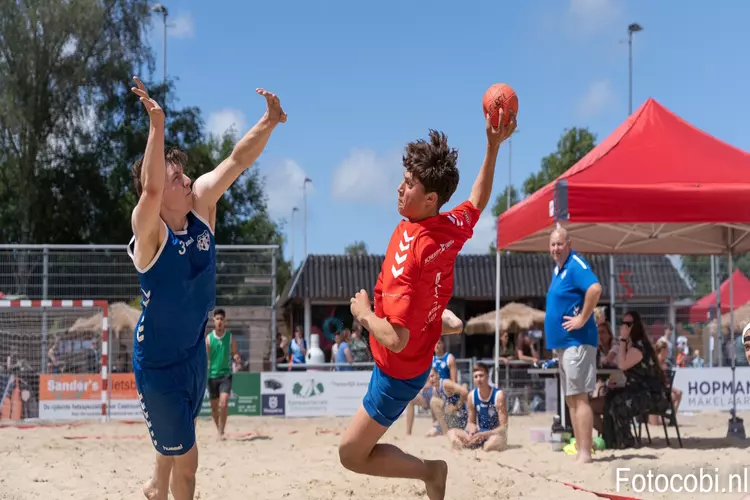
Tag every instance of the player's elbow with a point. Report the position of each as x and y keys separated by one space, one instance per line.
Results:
x=399 y=339
x=595 y=291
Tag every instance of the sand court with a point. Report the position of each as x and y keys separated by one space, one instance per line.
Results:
x=289 y=459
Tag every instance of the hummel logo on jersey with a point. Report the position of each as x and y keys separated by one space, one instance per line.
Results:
x=403 y=246
x=140 y=333
x=146 y=297
x=456 y=221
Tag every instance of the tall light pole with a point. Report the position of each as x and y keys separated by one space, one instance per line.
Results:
x=160 y=9
x=304 y=199
x=291 y=251
x=633 y=28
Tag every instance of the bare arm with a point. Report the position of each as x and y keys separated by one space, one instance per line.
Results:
x=208 y=349
x=146 y=219
x=590 y=300
x=453 y=367
x=502 y=414
x=211 y=186
x=451 y=323
x=627 y=356
x=392 y=337
x=450 y=387
x=235 y=352
x=482 y=189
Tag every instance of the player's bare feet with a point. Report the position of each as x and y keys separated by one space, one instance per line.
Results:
x=438 y=478
x=152 y=493
x=584 y=458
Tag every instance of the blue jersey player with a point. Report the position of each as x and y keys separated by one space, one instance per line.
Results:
x=173 y=250
x=487 y=426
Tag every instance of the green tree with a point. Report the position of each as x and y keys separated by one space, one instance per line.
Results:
x=698 y=269
x=70 y=129
x=574 y=144
x=356 y=248
x=60 y=58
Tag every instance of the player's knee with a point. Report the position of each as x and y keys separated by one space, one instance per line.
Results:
x=436 y=405
x=185 y=466
x=350 y=456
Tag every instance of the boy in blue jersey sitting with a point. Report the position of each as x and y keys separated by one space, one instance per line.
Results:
x=173 y=249
x=488 y=416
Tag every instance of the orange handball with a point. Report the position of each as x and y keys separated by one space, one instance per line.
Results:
x=497 y=97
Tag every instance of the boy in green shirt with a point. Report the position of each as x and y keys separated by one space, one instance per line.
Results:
x=219 y=346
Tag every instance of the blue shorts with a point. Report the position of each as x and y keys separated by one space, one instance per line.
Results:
x=171 y=399
x=388 y=397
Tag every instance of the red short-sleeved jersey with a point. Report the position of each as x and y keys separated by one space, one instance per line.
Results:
x=416 y=283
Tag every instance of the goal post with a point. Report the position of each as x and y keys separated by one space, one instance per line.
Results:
x=54 y=360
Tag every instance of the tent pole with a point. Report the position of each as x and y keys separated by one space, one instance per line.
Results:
x=497 y=318
x=736 y=427
x=612 y=289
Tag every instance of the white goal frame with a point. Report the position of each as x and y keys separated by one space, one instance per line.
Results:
x=62 y=304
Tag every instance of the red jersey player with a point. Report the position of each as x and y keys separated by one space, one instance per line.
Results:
x=413 y=289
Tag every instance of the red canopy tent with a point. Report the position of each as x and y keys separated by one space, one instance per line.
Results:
x=655 y=185
x=741 y=295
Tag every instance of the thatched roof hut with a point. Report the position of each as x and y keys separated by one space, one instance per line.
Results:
x=513 y=317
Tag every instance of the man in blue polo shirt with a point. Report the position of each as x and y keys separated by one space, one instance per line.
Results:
x=570 y=330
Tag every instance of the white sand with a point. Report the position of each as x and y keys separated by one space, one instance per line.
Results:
x=298 y=460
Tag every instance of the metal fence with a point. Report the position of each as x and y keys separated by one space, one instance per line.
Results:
x=245 y=286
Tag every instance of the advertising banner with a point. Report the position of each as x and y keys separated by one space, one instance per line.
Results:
x=244 y=398
x=316 y=394
x=78 y=396
x=711 y=389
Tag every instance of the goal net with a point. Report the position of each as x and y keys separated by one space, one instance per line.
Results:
x=54 y=361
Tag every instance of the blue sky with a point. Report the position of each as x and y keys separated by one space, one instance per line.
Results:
x=361 y=79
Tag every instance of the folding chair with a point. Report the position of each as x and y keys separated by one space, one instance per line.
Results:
x=668 y=414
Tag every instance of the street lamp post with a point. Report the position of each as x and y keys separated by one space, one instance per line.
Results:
x=632 y=28
x=291 y=251
x=161 y=9
x=304 y=199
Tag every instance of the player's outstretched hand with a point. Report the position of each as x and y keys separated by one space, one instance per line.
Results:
x=497 y=135
x=155 y=113
x=273 y=111
x=360 y=304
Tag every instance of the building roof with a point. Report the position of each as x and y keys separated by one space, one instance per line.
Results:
x=523 y=275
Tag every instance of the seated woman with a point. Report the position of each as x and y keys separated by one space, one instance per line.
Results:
x=644 y=390
x=662 y=354
x=606 y=356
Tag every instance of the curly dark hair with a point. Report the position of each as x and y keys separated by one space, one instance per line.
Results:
x=433 y=163
x=172 y=155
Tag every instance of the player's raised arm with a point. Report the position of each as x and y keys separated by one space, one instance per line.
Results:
x=209 y=187
x=146 y=220
x=480 y=193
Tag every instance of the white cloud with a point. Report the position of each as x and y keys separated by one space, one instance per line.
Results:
x=182 y=26
x=484 y=234
x=225 y=119
x=599 y=98
x=365 y=176
x=284 y=181
x=592 y=16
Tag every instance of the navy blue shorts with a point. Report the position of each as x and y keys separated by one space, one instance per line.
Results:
x=388 y=397
x=171 y=399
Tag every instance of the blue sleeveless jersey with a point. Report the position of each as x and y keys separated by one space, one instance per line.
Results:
x=487 y=418
x=440 y=364
x=451 y=400
x=178 y=292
